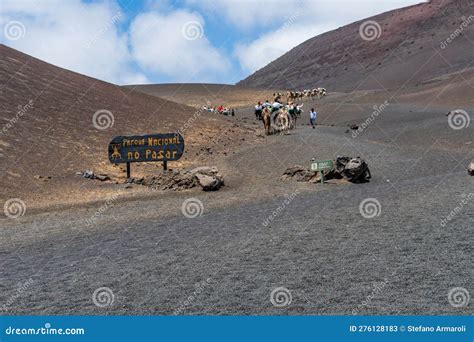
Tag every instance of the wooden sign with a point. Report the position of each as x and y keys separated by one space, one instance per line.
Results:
x=146 y=148
x=322 y=165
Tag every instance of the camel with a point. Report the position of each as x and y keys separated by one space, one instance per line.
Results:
x=282 y=120
x=291 y=95
x=277 y=97
x=306 y=93
x=319 y=92
x=322 y=92
x=293 y=112
x=266 y=118
x=299 y=109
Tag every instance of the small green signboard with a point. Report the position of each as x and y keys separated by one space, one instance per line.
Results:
x=322 y=165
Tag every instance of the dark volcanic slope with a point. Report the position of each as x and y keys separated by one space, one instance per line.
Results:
x=199 y=94
x=407 y=52
x=53 y=134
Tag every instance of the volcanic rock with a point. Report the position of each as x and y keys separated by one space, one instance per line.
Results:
x=173 y=180
x=354 y=170
x=208 y=178
x=208 y=183
x=102 y=177
x=89 y=174
x=300 y=174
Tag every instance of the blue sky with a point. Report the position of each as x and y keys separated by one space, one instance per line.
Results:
x=132 y=42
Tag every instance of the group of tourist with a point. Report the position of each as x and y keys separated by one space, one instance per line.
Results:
x=294 y=109
x=220 y=110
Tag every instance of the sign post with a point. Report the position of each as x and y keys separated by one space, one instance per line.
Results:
x=322 y=165
x=146 y=148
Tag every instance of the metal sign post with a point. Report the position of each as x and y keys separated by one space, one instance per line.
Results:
x=128 y=170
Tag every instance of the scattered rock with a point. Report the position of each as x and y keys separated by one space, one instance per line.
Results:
x=454 y=112
x=205 y=170
x=354 y=127
x=354 y=170
x=208 y=183
x=174 y=180
x=207 y=177
x=470 y=168
x=300 y=174
x=102 y=177
x=89 y=174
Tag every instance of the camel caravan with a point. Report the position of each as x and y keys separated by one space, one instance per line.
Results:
x=281 y=118
x=307 y=93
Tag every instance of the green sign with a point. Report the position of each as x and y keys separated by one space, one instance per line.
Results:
x=322 y=165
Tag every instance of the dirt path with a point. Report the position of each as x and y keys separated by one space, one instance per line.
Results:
x=255 y=236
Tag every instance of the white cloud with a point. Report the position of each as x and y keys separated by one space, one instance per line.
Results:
x=247 y=14
x=77 y=36
x=298 y=20
x=272 y=45
x=175 y=45
x=86 y=37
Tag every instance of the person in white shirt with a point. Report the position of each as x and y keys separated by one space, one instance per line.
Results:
x=276 y=106
x=258 y=111
x=312 y=117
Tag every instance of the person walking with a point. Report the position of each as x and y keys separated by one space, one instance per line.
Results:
x=258 y=111
x=312 y=117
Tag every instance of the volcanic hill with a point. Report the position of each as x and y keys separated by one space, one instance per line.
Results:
x=416 y=45
x=48 y=133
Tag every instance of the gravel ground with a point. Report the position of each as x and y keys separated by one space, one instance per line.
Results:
x=259 y=234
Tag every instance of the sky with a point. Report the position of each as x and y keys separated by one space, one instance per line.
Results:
x=166 y=41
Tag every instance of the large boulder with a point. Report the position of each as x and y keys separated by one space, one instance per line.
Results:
x=351 y=169
x=354 y=170
x=208 y=183
x=300 y=174
x=470 y=168
x=205 y=170
x=171 y=180
x=208 y=177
